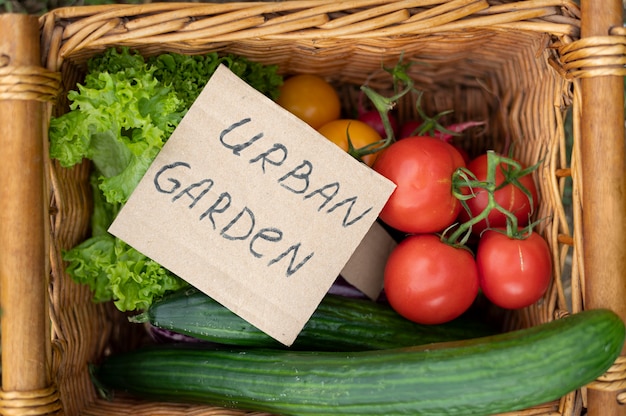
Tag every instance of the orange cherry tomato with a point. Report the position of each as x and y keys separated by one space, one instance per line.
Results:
x=310 y=98
x=360 y=133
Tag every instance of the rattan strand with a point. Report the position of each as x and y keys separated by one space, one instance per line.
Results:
x=28 y=83
x=30 y=403
x=595 y=56
x=485 y=60
x=614 y=380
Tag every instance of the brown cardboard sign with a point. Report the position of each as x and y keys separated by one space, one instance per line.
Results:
x=365 y=269
x=252 y=206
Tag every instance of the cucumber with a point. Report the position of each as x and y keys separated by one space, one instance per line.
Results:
x=483 y=376
x=338 y=324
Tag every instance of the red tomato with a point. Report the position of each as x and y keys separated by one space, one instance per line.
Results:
x=510 y=197
x=464 y=154
x=311 y=99
x=422 y=169
x=428 y=281
x=514 y=273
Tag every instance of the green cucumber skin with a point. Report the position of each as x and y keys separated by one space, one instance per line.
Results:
x=338 y=324
x=482 y=376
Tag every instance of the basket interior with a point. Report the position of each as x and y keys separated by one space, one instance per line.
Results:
x=503 y=77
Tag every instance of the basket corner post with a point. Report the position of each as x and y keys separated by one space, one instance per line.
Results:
x=604 y=195
x=26 y=378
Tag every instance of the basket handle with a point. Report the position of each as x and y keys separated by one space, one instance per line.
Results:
x=24 y=87
x=604 y=185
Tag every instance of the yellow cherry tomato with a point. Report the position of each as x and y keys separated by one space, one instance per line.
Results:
x=360 y=133
x=310 y=98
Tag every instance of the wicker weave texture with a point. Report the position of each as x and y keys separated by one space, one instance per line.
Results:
x=501 y=61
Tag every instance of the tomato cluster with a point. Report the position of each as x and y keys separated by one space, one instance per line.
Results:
x=442 y=200
x=432 y=279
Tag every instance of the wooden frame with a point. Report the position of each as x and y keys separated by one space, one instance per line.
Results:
x=32 y=77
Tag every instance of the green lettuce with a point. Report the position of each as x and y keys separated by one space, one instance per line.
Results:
x=114 y=270
x=189 y=74
x=120 y=117
x=120 y=121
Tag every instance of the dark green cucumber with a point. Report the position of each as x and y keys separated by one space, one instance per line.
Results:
x=338 y=324
x=483 y=376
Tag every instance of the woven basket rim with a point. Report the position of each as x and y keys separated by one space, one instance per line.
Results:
x=190 y=26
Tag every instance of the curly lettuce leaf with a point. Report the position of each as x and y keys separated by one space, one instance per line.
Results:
x=120 y=121
x=116 y=60
x=88 y=262
x=103 y=213
x=188 y=74
x=114 y=270
x=263 y=78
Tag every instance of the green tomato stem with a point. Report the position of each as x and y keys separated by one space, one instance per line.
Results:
x=383 y=105
x=463 y=178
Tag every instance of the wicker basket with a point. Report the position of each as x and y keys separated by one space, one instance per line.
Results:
x=521 y=65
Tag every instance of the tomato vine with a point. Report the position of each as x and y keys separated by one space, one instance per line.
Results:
x=402 y=85
x=464 y=178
